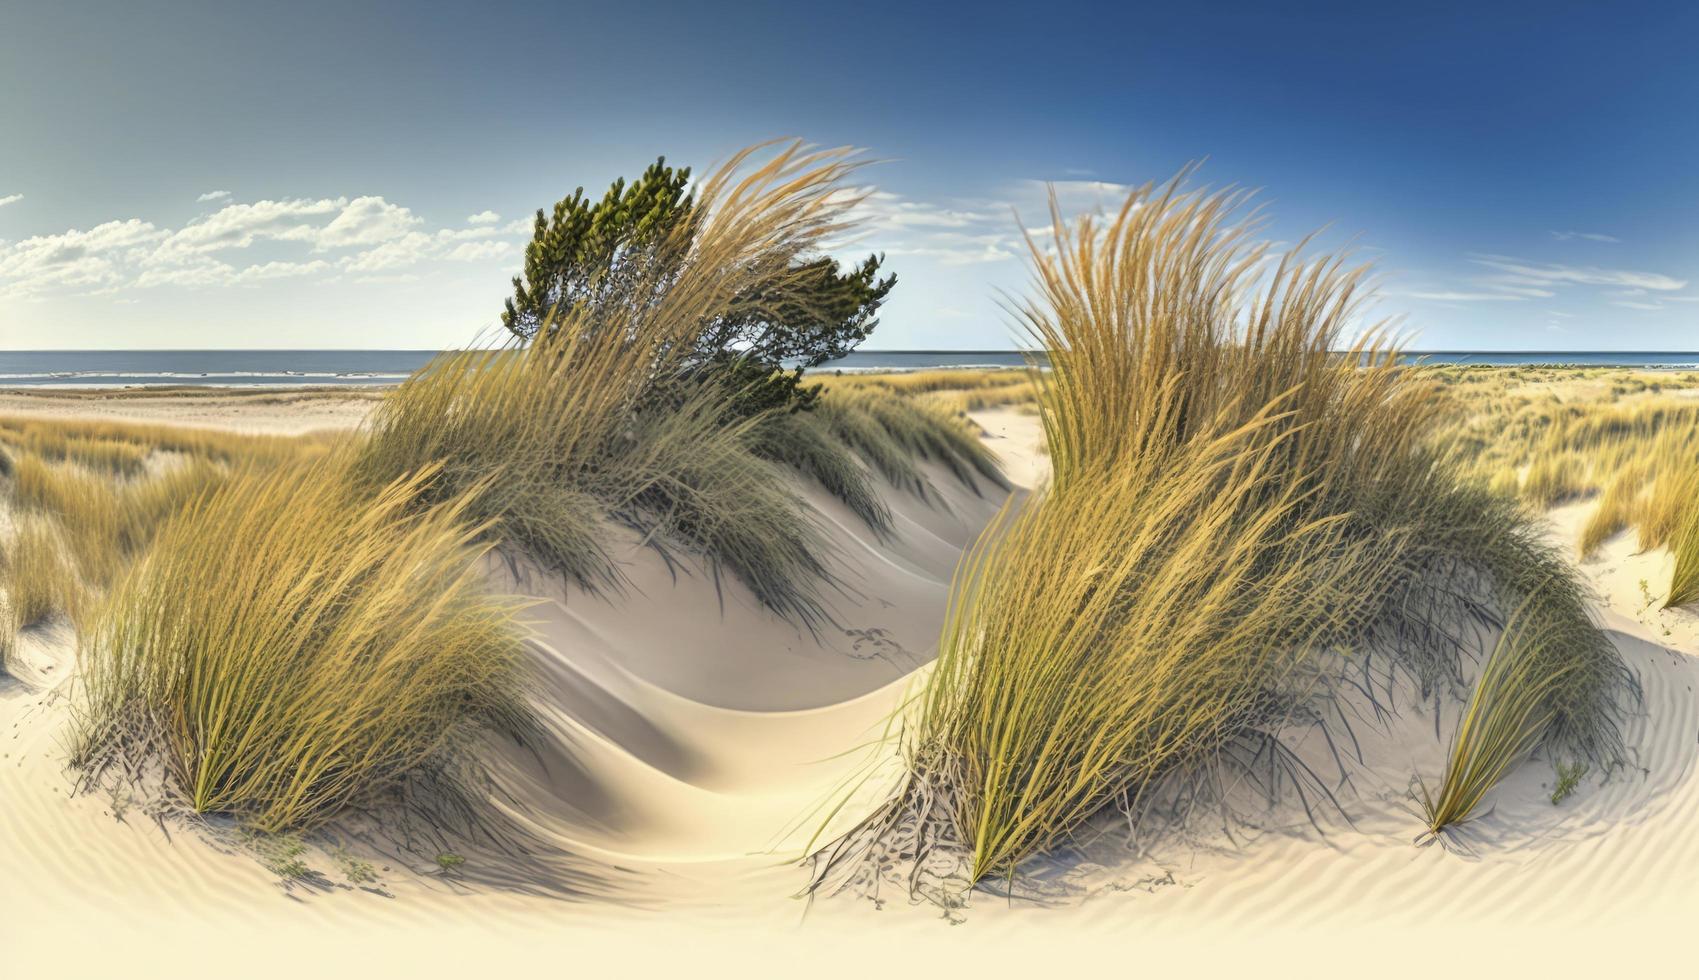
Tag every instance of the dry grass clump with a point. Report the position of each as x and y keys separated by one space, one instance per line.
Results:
x=805 y=442
x=1231 y=507
x=1684 y=580
x=892 y=434
x=1110 y=661
x=954 y=391
x=123 y=447
x=1662 y=510
x=108 y=455
x=1619 y=506
x=86 y=497
x=1509 y=712
x=38 y=582
x=1554 y=479
x=105 y=523
x=580 y=425
x=1578 y=433
x=291 y=644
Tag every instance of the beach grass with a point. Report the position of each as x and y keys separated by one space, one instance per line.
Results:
x=291 y=644
x=288 y=627
x=37 y=577
x=1232 y=506
x=1508 y=713
x=575 y=427
x=1684 y=580
x=85 y=497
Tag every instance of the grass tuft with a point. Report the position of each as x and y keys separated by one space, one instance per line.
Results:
x=1232 y=506
x=574 y=426
x=1512 y=707
x=290 y=645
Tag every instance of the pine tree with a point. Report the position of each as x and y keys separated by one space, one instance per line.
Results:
x=586 y=254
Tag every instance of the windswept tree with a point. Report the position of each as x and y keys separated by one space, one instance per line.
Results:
x=587 y=254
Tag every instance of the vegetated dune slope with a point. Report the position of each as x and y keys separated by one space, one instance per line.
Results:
x=691 y=741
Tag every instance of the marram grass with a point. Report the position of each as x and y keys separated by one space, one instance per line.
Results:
x=1508 y=713
x=579 y=427
x=38 y=581
x=1684 y=580
x=1231 y=507
x=291 y=644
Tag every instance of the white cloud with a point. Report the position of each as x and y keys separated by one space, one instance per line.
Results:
x=74 y=259
x=367 y=221
x=387 y=240
x=953 y=232
x=282 y=270
x=212 y=196
x=1589 y=236
x=240 y=225
x=478 y=251
x=464 y=234
x=1514 y=280
x=10 y=199
x=407 y=250
x=192 y=271
x=1557 y=274
x=1460 y=296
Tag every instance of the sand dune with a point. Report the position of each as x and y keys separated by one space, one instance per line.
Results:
x=691 y=740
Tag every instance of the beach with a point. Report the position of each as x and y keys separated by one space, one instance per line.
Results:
x=707 y=737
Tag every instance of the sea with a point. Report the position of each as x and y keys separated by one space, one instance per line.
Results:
x=303 y=368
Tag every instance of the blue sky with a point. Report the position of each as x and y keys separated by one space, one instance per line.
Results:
x=361 y=175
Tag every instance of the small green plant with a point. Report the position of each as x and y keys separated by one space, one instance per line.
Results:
x=1569 y=776
x=1646 y=594
x=357 y=872
x=281 y=854
x=449 y=861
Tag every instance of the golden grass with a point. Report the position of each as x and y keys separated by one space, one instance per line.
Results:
x=1684 y=580
x=805 y=442
x=310 y=632
x=1231 y=506
x=1508 y=713
x=38 y=582
x=105 y=445
x=105 y=523
x=292 y=644
x=1619 y=506
x=1631 y=438
x=892 y=434
x=571 y=429
x=87 y=496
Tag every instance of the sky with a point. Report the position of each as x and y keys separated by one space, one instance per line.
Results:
x=362 y=175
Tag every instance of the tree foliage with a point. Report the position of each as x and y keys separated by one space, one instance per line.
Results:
x=586 y=254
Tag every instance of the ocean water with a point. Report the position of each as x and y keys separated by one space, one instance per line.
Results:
x=123 y=368
x=279 y=368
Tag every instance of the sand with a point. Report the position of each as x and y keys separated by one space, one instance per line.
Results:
x=257 y=411
x=694 y=743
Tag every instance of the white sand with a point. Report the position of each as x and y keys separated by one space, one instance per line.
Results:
x=259 y=411
x=691 y=746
